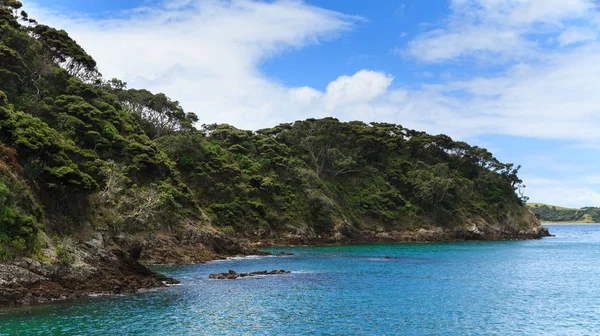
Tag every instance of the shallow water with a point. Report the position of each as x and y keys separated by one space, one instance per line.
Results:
x=549 y=286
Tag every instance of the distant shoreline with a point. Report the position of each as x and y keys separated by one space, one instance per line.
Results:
x=568 y=223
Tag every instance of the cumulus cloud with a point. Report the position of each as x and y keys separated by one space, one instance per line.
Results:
x=362 y=87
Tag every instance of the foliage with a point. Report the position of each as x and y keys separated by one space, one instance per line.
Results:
x=66 y=52
x=18 y=227
x=323 y=171
x=157 y=114
x=63 y=255
x=89 y=150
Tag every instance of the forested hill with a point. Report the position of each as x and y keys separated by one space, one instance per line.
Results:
x=551 y=213
x=80 y=155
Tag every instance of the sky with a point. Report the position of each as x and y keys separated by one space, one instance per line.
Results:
x=518 y=77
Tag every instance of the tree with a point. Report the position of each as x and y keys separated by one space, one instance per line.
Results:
x=8 y=12
x=67 y=53
x=157 y=113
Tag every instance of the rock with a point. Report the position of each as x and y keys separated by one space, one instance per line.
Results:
x=232 y=275
x=284 y=254
x=95 y=269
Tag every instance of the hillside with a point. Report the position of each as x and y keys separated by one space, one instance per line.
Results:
x=555 y=214
x=96 y=177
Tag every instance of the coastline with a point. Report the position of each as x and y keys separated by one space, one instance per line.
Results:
x=568 y=223
x=106 y=267
x=429 y=235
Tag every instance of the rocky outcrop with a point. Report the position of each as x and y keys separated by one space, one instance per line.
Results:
x=191 y=244
x=232 y=275
x=94 y=268
x=107 y=264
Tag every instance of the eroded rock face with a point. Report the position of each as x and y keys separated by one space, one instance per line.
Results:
x=94 y=268
x=107 y=264
x=232 y=275
x=190 y=245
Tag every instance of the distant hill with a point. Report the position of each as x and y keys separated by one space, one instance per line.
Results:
x=557 y=214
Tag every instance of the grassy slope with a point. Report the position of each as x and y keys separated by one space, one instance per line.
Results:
x=533 y=204
x=585 y=219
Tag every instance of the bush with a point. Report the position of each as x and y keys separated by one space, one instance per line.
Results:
x=18 y=231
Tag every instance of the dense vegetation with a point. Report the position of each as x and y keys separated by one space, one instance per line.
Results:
x=78 y=150
x=550 y=213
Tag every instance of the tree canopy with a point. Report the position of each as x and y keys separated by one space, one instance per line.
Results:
x=76 y=149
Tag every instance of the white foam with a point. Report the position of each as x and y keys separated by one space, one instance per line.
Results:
x=252 y=257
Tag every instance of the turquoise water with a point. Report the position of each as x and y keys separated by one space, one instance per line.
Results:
x=549 y=287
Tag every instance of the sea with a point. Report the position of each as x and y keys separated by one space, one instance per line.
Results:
x=549 y=286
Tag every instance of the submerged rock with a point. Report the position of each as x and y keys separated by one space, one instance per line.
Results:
x=231 y=275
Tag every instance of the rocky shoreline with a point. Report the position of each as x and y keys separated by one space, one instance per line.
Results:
x=105 y=264
x=430 y=235
x=115 y=265
x=26 y=281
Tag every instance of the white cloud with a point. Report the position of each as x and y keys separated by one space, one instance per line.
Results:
x=560 y=193
x=441 y=45
x=556 y=99
x=592 y=179
x=575 y=35
x=206 y=53
x=305 y=95
x=543 y=91
x=362 y=87
x=501 y=28
x=522 y=12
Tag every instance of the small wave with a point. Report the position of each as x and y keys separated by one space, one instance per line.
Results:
x=97 y=295
x=94 y=295
x=171 y=284
x=251 y=257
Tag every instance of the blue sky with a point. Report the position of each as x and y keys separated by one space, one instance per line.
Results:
x=518 y=77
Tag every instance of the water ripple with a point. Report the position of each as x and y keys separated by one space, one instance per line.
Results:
x=549 y=287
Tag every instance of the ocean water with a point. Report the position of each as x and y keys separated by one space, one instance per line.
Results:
x=542 y=287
